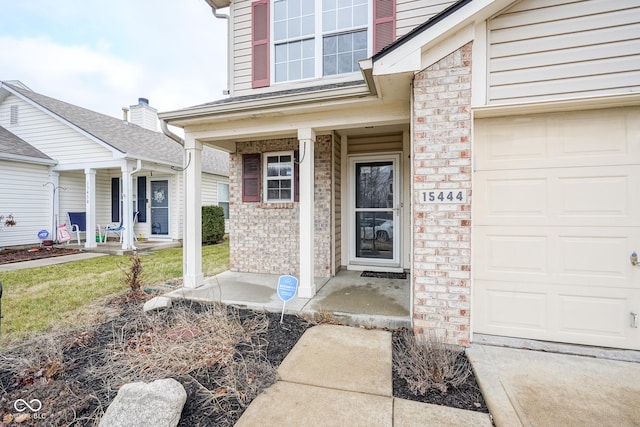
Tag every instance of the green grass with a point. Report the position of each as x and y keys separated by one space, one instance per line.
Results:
x=38 y=299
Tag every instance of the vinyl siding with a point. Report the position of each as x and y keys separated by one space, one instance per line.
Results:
x=49 y=135
x=25 y=197
x=552 y=49
x=337 y=200
x=375 y=144
x=411 y=13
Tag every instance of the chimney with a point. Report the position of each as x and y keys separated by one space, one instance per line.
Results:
x=144 y=115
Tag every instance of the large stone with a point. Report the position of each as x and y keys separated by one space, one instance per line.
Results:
x=157 y=404
x=157 y=303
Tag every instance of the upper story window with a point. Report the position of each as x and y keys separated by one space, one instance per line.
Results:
x=294 y=40
x=313 y=38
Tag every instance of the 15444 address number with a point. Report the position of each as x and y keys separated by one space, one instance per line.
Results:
x=446 y=196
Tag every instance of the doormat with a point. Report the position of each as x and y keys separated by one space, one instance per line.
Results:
x=383 y=275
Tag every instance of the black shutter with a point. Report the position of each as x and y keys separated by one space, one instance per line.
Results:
x=142 y=199
x=251 y=177
x=115 y=199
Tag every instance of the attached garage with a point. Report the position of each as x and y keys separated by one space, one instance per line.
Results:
x=556 y=215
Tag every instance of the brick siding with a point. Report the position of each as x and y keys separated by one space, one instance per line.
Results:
x=264 y=237
x=442 y=232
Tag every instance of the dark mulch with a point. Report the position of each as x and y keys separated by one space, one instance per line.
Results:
x=77 y=395
x=8 y=256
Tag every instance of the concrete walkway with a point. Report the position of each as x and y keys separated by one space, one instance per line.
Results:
x=341 y=376
x=534 y=388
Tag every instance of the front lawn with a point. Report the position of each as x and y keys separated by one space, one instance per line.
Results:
x=40 y=299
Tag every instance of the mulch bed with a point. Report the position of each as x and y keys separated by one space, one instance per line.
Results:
x=8 y=256
x=73 y=395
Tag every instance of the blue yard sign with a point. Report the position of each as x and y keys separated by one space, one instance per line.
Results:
x=287 y=288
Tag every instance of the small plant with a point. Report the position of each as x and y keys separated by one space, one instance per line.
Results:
x=9 y=220
x=429 y=363
x=133 y=276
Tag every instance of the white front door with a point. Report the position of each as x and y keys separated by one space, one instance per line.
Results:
x=374 y=215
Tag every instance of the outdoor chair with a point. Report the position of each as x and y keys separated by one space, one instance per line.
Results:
x=117 y=229
x=78 y=223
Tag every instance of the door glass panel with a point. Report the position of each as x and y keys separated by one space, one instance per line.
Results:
x=160 y=207
x=374 y=222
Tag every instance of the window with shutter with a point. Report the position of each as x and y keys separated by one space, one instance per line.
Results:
x=384 y=24
x=251 y=177
x=260 y=43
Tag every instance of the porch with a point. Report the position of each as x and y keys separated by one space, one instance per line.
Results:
x=347 y=298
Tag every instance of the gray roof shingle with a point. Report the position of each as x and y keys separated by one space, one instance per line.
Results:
x=13 y=144
x=126 y=137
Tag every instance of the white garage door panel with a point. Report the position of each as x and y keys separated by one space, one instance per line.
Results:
x=589 y=256
x=510 y=309
x=610 y=137
x=556 y=215
x=596 y=316
x=560 y=196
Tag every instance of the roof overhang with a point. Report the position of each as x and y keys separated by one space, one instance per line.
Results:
x=27 y=159
x=267 y=106
x=391 y=70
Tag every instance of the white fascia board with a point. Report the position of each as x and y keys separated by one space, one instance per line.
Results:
x=27 y=159
x=370 y=112
x=64 y=121
x=89 y=165
x=239 y=109
x=558 y=105
x=408 y=56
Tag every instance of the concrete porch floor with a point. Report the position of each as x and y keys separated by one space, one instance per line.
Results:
x=348 y=298
x=115 y=247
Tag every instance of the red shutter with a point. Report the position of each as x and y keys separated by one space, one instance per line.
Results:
x=251 y=177
x=296 y=176
x=384 y=24
x=260 y=43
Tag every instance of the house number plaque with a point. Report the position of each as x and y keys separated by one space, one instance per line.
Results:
x=444 y=196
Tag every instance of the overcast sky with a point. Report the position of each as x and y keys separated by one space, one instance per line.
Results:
x=104 y=55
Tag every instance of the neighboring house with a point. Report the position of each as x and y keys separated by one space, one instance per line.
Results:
x=23 y=171
x=510 y=131
x=57 y=158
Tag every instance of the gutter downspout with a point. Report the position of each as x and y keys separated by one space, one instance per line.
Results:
x=167 y=131
x=218 y=15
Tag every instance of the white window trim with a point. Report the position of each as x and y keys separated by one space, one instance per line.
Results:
x=318 y=43
x=218 y=192
x=265 y=158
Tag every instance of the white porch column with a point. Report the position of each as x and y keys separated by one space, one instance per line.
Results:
x=90 y=207
x=192 y=235
x=127 y=208
x=54 y=178
x=307 y=286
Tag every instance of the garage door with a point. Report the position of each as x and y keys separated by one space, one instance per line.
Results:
x=556 y=201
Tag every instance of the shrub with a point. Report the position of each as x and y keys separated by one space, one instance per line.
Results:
x=429 y=363
x=133 y=276
x=212 y=224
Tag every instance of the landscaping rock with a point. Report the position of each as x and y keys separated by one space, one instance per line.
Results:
x=157 y=404
x=157 y=303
